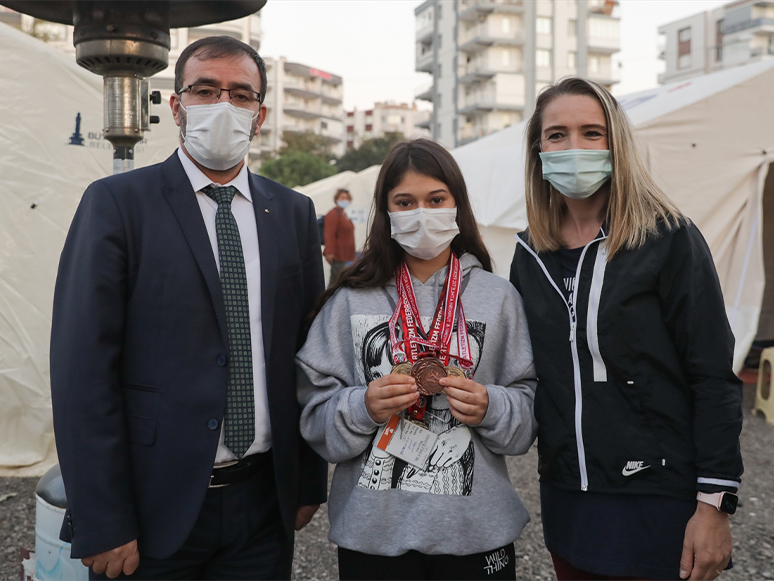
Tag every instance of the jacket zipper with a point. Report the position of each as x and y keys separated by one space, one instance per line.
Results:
x=574 y=350
x=595 y=294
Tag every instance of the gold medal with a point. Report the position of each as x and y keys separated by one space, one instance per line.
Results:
x=402 y=369
x=454 y=371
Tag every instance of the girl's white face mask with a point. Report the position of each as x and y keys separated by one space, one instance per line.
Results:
x=218 y=135
x=424 y=233
x=577 y=173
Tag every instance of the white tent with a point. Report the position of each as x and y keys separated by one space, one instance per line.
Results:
x=45 y=168
x=708 y=141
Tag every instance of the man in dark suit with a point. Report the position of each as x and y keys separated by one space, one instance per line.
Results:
x=179 y=306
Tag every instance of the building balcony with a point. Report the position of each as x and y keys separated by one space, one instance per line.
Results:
x=425 y=33
x=752 y=26
x=424 y=92
x=477 y=73
x=604 y=45
x=762 y=51
x=471 y=10
x=480 y=38
x=301 y=89
x=425 y=62
x=301 y=111
x=426 y=124
x=486 y=101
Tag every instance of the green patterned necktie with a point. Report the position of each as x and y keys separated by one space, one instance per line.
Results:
x=240 y=404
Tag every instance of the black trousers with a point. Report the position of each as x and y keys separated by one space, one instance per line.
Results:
x=495 y=564
x=238 y=535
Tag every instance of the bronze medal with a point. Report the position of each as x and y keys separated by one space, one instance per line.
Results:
x=454 y=371
x=402 y=369
x=428 y=371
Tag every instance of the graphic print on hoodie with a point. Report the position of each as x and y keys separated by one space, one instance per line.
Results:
x=449 y=468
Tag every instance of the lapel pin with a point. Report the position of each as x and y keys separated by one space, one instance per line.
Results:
x=266 y=210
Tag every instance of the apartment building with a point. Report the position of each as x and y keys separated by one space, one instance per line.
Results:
x=734 y=34
x=299 y=97
x=490 y=58
x=386 y=118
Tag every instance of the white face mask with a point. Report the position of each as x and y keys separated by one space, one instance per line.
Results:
x=218 y=135
x=577 y=173
x=343 y=204
x=424 y=233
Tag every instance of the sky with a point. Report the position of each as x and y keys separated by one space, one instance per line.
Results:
x=370 y=43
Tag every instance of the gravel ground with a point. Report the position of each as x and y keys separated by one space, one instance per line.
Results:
x=752 y=526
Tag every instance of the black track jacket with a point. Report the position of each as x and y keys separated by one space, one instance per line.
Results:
x=636 y=391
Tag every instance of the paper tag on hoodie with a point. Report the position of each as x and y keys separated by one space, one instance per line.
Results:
x=406 y=440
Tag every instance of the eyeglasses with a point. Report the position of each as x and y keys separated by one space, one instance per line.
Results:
x=207 y=95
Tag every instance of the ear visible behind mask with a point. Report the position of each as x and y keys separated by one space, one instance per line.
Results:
x=424 y=233
x=577 y=173
x=218 y=135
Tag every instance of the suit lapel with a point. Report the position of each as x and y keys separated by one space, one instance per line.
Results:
x=268 y=234
x=182 y=198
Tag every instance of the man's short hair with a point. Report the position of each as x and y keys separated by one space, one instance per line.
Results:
x=213 y=47
x=339 y=192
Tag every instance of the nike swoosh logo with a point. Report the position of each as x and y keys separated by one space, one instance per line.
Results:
x=626 y=472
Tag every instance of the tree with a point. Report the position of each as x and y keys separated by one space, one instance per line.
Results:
x=297 y=168
x=371 y=152
x=308 y=142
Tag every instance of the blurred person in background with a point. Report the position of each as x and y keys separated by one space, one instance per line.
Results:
x=339 y=236
x=638 y=408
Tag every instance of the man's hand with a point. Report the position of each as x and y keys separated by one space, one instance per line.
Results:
x=304 y=514
x=389 y=395
x=468 y=400
x=329 y=257
x=123 y=559
x=707 y=544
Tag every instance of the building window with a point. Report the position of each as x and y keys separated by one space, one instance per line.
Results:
x=350 y=144
x=593 y=65
x=543 y=25
x=684 y=48
x=719 y=40
x=323 y=125
x=369 y=112
x=543 y=57
x=350 y=113
x=368 y=127
x=506 y=25
x=571 y=59
x=506 y=57
x=440 y=41
x=350 y=128
x=572 y=28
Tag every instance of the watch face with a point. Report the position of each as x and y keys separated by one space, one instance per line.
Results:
x=728 y=503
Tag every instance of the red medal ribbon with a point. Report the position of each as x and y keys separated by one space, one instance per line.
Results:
x=438 y=342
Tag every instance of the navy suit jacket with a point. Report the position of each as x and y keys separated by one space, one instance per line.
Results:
x=138 y=366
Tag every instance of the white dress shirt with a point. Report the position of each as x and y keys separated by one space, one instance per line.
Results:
x=242 y=208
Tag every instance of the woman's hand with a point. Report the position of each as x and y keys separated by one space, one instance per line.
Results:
x=390 y=395
x=707 y=544
x=468 y=400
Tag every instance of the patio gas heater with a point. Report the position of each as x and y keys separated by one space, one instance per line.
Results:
x=125 y=43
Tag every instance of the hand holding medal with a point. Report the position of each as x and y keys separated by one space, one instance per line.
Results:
x=468 y=400
x=390 y=395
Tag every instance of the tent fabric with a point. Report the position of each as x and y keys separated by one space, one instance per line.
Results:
x=708 y=142
x=43 y=178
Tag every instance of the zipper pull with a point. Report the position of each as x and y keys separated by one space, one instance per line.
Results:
x=572 y=331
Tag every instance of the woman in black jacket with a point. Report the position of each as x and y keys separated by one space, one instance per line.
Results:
x=638 y=407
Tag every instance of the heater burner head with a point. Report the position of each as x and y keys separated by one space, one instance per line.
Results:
x=130 y=36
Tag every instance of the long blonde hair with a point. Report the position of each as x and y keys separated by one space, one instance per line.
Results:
x=636 y=204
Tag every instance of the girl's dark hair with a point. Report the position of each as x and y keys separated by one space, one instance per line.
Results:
x=381 y=254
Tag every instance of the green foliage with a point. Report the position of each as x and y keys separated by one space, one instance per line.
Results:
x=371 y=152
x=306 y=142
x=297 y=168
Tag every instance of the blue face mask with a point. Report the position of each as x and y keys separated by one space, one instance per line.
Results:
x=343 y=204
x=577 y=173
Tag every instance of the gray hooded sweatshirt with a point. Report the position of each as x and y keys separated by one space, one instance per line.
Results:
x=462 y=501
